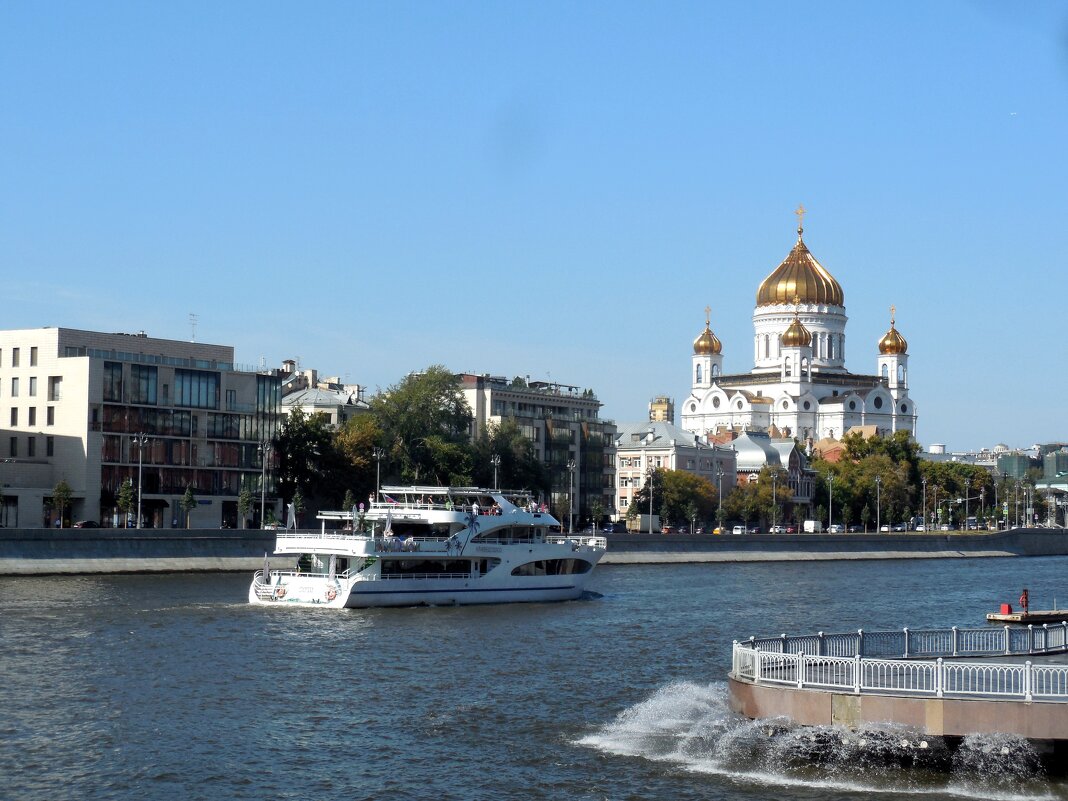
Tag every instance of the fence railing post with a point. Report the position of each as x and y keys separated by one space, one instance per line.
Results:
x=820 y=645
x=939 y=678
x=856 y=673
x=734 y=657
x=784 y=643
x=1027 y=680
x=1045 y=637
x=1030 y=638
x=1064 y=634
x=860 y=642
x=1008 y=650
x=756 y=667
x=801 y=670
x=906 y=642
x=956 y=640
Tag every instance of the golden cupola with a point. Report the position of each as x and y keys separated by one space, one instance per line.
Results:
x=707 y=343
x=796 y=336
x=801 y=276
x=892 y=342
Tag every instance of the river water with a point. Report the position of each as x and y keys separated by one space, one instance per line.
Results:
x=173 y=687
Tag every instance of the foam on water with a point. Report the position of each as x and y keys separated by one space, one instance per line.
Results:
x=692 y=726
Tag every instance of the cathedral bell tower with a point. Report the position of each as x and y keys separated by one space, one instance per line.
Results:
x=707 y=356
x=796 y=364
x=894 y=360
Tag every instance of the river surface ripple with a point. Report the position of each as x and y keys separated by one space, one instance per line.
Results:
x=173 y=687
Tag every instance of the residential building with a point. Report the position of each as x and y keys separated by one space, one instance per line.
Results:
x=93 y=409
x=662 y=410
x=641 y=447
x=563 y=421
x=304 y=390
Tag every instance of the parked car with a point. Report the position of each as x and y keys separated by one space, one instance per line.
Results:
x=87 y=524
x=777 y=530
x=791 y=529
x=667 y=530
x=835 y=528
x=885 y=528
x=856 y=529
x=609 y=528
x=738 y=530
x=754 y=529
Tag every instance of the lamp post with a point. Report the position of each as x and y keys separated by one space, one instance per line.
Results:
x=878 y=503
x=830 y=500
x=649 y=473
x=774 y=497
x=495 y=460
x=719 y=511
x=934 y=513
x=982 y=503
x=967 y=500
x=141 y=441
x=378 y=471
x=571 y=498
x=265 y=451
x=1016 y=503
x=924 y=482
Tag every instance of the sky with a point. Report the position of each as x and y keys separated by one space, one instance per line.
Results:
x=548 y=189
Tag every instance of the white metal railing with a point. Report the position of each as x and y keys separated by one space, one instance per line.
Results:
x=580 y=539
x=886 y=662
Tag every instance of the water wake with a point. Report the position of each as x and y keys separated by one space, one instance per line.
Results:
x=692 y=726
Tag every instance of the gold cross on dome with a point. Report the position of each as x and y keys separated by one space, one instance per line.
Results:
x=893 y=309
x=800 y=217
x=708 y=319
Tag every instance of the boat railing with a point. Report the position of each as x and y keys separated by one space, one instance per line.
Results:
x=419 y=576
x=580 y=539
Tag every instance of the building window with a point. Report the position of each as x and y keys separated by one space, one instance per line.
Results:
x=113 y=381
x=196 y=388
x=31 y=446
x=14 y=357
x=14 y=417
x=33 y=357
x=13 y=447
x=55 y=387
x=50 y=446
x=50 y=415
x=33 y=386
x=14 y=387
x=143 y=384
x=32 y=421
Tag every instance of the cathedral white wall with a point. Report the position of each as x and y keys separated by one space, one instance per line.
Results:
x=826 y=323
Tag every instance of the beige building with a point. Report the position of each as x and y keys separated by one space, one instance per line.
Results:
x=74 y=406
x=564 y=423
x=658 y=445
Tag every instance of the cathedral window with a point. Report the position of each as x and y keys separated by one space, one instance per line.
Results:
x=886 y=371
x=901 y=374
x=698 y=374
x=786 y=365
x=715 y=403
x=767 y=346
x=878 y=403
x=715 y=370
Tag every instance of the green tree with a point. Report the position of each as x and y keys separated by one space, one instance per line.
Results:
x=245 y=500
x=519 y=465
x=127 y=499
x=596 y=512
x=426 y=423
x=681 y=490
x=348 y=501
x=188 y=503
x=61 y=497
x=298 y=506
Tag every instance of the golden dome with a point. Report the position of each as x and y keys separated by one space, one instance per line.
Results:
x=707 y=343
x=801 y=276
x=796 y=335
x=892 y=341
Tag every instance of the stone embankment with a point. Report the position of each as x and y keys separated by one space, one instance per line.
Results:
x=665 y=548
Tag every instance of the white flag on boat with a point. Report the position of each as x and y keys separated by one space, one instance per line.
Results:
x=291 y=516
x=388 y=530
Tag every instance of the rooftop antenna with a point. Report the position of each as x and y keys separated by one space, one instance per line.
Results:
x=193 y=325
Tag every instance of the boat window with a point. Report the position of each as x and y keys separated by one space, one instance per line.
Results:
x=552 y=567
x=392 y=568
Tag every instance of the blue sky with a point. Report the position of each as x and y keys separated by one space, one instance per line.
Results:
x=548 y=189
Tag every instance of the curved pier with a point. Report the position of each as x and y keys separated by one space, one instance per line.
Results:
x=909 y=678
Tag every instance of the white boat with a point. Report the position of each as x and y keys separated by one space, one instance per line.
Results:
x=430 y=545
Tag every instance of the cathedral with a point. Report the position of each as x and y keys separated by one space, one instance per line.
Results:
x=799 y=386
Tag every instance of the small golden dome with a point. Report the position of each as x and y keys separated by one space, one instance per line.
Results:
x=801 y=276
x=796 y=335
x=892 y=341
x=707 y=343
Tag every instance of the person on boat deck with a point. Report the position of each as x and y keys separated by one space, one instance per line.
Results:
x=448 y=504
x=474 y=508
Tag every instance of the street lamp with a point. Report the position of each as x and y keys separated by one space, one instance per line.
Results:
x=830 y=500
x=649 y=474
x=934 y=513
x=967 y=500
x=571 y=491
x=774 y=497
x=264 y=451
x=924 y=482
x=141 y=441
x=719 y=512
x=1016 y=503
x=495 y=460
x=378 y=471
x=982 y=503
x=878 y=503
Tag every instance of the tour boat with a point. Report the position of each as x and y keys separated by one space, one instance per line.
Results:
x=430 y=545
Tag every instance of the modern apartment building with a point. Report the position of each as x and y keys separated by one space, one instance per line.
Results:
x=93 y=409
x=569 y=436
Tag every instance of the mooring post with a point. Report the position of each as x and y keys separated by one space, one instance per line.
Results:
x=906 y=630
x=956 y=640
x=939 y=680
x=1027 y=680
x=856 y=674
